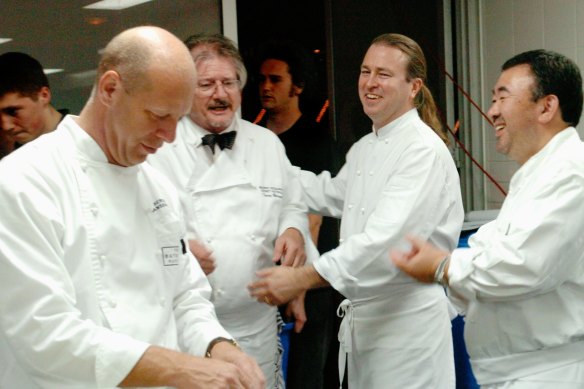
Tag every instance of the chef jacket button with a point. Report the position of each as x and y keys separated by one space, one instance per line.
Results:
x=371 y=172
x=350 y=206
x=362 y=210
x=370 y=141
x=102 y=259
x=358 y=172
x=162 y=301
x=219 y=292
x=386 y=141
x=209 y=241
x=341 y=240
x=252 y=237
x=112 y=303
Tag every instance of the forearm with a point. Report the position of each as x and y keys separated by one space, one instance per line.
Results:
x=157 y=367
x=314 y=223
x=309 y=278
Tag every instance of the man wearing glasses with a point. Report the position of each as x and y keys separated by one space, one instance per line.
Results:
x=244 y=211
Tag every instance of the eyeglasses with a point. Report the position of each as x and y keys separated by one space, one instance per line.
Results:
x=208 y=86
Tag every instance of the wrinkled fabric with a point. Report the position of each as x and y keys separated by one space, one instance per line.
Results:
x=93 y=268
x=521 y=281
x=398 y=180
x=238 y=202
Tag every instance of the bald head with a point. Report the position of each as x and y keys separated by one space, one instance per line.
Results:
x=145 y=84
x=134 y=52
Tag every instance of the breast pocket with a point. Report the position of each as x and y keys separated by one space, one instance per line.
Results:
x=171 y=248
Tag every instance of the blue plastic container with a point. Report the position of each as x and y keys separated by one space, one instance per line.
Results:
x=285 y=340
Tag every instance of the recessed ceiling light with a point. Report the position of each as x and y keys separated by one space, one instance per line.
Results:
x=4 y=40
x=51 y=71
x=115 y=5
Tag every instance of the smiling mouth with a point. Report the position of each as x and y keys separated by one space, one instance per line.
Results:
x=372 y=96
x=219 y=108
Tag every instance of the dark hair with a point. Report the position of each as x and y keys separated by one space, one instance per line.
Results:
x=557 y=75
x=424 y=101
x=218 y=45
x=294 y=55
x=21 y=73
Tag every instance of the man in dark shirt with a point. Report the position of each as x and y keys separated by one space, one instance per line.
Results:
x=283 y=73
x=25 y=101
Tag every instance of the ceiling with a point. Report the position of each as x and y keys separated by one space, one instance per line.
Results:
x=62 y=34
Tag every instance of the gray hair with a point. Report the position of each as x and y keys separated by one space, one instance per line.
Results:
x=217 y=45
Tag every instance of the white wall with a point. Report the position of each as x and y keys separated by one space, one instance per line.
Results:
x=508 y=27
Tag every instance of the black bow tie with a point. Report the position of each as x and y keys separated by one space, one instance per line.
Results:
x=224 y=140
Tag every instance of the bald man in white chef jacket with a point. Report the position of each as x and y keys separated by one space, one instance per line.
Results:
x=97 y=287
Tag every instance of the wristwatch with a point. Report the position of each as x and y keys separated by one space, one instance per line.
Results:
x=219 y=340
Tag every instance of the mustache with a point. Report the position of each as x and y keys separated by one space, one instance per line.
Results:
x=219 y=103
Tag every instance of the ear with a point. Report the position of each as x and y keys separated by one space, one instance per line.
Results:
x=108 y=84
x=298 y=89
x=416 y=87
x=550 y=107
x=44 y=95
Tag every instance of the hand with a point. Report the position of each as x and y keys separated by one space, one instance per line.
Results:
x=422 y=260
x=250 y=373
x=276 y=285
x=164 y=367
x=289 y=248
x=203 y=255
x=295 y=309
x=212 y=373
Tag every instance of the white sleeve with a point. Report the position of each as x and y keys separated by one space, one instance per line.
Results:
x=417 y=197
x=197 y=323
x=534 y=252
x=294 y=210
x=323 y=193
x=44 y=329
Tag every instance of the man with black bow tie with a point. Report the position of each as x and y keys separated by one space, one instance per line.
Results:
x=244 y=209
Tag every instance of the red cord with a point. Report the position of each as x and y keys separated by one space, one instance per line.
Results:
x=461 y=145
x=260 y=116
x=322 y=111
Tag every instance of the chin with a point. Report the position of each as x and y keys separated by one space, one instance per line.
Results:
x=220 y=125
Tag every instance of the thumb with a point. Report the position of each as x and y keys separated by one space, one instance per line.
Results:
x=398 y=258
x=416 y=242
x=299 y=324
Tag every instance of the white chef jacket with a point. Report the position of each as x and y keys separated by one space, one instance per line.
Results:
x=94 y=267
x=398 y=180
x=239 y=201
x=523 y=275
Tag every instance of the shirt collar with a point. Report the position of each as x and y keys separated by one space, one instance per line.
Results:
x=395 y=125
x=88 y=148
